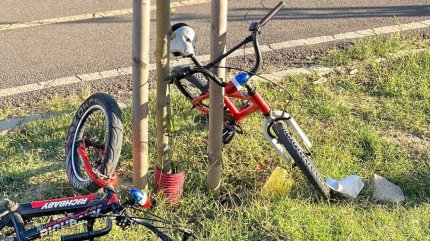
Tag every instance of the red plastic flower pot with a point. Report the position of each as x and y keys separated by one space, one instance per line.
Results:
x=170 y=185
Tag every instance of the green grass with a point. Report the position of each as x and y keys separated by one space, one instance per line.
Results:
x=359 y=124
x=366 y=50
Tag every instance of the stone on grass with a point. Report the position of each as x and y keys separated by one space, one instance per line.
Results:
x=321 y=70
x=321 y=80
x=340 y=70
x=353 y=71
x=386 y=191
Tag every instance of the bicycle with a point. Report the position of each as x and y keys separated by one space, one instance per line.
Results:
x=93 y=148
x=79 y=209
x=288 y=139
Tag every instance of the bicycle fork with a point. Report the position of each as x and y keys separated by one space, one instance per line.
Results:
x=292 y=124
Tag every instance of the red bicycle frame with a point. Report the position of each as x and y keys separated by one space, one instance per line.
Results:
x=258 y=103
x=111 y=181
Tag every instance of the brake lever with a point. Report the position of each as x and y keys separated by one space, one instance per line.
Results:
x=170 y=79
x=179 y=75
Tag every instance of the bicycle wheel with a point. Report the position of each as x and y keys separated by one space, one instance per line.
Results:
x=302 y=160
x=96 y=127
x=191 y=86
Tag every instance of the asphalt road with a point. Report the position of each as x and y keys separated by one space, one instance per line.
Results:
x=35 y=54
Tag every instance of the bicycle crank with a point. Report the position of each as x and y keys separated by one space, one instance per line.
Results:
x=229 y=131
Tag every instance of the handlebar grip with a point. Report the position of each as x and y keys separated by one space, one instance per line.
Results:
x=272 y=13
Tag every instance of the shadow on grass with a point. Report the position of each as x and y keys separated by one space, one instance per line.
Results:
x=32 y=160
x=415 y=186
x=32 y=184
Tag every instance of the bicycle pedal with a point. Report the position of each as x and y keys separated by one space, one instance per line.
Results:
x=228 y=134
x=238 y=129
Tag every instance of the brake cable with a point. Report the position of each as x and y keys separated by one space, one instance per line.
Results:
x=290 y=96
x=160 y=219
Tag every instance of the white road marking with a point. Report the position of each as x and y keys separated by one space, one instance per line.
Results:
x=264 y=48
x=103 y=14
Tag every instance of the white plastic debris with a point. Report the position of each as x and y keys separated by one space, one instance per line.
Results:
x=349 y=186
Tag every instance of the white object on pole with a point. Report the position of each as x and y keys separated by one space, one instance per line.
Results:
x=182 y=41
x=349 y=186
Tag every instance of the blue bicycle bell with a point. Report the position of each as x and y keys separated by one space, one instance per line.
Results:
x=240 y=79
x=140 y=198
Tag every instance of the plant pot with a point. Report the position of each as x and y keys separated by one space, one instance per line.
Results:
x=170 y=185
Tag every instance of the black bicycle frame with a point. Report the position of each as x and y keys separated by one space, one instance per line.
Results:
x=78 y=209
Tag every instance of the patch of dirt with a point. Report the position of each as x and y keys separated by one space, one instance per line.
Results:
x=413 y=142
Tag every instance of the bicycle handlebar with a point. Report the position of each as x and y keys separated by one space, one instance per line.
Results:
x=120 y=217
x=151 y=227
x=254 y=27
x=257 y=54
x=270 y=15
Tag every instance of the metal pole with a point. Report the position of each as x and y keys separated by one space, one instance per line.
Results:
x=163 y=69
x=141 y=20
x=216 y=104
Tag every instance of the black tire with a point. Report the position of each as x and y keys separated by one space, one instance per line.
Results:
x=191 y=86
x=302 y=160
x=98 y=120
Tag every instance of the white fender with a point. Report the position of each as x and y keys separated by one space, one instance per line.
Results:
x=293 y=126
